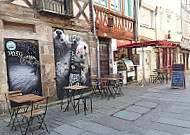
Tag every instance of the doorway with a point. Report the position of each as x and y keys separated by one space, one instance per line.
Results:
x=104 y=59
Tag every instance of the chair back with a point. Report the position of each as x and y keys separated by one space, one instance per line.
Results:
x=11 y=94
x=38 y=104
x=104 y=83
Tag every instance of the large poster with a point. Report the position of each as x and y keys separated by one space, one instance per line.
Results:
x=71 y=60
x=23 y=66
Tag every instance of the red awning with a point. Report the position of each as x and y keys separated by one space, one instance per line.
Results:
x=148 y=43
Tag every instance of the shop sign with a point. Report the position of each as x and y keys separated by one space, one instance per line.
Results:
x=178 y=76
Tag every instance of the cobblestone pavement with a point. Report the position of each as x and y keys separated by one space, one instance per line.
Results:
x=149 y=110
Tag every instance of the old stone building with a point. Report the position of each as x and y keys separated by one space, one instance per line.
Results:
x=39 y=42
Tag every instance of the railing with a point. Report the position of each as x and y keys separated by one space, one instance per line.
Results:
x=61 y=7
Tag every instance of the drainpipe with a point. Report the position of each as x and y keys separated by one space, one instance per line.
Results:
x=136 y=30
x=136 y=20
x=97 y=41
x=156 y=12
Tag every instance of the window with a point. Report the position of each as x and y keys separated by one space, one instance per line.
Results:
x=129 y=8
x=168 y=22
x=115 y=5
x=101 y=2
x=146 y=18
x=161 y=22
x=178 y=25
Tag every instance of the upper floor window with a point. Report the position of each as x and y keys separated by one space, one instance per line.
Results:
x=146 y=16
x=102 y=2
x=168 y=22
x=128 y=8
x=115 y=5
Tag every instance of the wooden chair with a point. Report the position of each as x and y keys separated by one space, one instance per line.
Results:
x=14 y=110
x=103 y=86
x=38 y=110
x=94 y=83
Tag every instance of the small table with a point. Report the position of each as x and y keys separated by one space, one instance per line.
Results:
x=71 y=96
x=24 y=98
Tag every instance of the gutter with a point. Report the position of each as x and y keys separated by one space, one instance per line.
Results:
x=136 y=21
x=97 y=41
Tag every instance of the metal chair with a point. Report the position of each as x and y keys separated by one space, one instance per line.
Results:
x=94 y=84
x=38 y=110
x=85 y=98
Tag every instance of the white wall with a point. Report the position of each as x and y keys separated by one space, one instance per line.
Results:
x=113 y=47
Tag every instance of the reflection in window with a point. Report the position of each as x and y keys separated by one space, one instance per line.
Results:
x=101 y=2
x=115 y=5
x=128 y=8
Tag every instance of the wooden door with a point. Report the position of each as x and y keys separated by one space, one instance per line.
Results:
x=104 y=59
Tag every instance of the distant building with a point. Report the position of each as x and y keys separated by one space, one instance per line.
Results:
x=185 y=42
x=159 y=21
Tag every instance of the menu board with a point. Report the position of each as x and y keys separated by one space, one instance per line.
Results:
x=136 y=59
x=178 y=76
x=178 y=67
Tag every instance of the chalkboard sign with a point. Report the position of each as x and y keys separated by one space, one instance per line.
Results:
x=178 y=79
x=178 y=67
x=178 y=76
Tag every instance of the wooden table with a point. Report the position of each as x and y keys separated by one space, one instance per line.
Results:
x=71 y=95
x=24 y=98
x=76 y=87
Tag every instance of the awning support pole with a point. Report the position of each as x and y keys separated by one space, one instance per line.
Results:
x=143 y=81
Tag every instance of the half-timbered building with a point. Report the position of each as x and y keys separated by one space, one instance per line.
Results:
x=114 y=23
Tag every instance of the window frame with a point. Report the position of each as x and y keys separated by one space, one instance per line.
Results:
x=114 y=9
x=131 y=9
x=99 y=3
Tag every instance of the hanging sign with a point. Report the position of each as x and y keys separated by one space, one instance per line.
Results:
x=178 y=76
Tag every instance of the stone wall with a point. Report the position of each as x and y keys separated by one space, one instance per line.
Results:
x=3 y=71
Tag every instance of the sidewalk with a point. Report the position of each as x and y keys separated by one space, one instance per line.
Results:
x=150 y=110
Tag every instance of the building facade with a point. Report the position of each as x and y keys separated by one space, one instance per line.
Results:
x=114 y=23
x=159 y=21
x=185 y=42
x=45 y=45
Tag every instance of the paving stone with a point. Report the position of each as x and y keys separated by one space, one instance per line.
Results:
x=87 y=133
x=177 y=109
x=157 y=132
x=68 y=130
x=113 y=122
x=81 y=124
x=182 y=99
x=127 y=115
x=53 y=133
x=175 y=122
x=146 y=104
x=171 y=129
x=137 y=109
x=101 y=130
